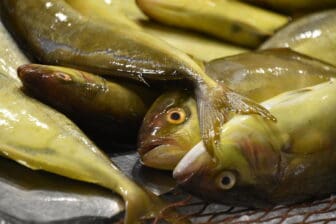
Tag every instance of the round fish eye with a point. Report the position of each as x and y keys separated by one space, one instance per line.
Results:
x=226 y=180
x=63 y=76
x=176 y=116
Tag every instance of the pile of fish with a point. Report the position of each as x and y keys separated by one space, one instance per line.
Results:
x=238 y=101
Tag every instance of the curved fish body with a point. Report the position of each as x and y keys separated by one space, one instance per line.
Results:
x=297 y=6
x=38 y=137
x=10 y=55
x=170 y=128
x=261 y=163
x=57 y=34
x=313 y=35
x=106 y=106
x=232 y=21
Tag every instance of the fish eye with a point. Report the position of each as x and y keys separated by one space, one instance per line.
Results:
x=63 y=76
x=176 y=116
x=226 y=180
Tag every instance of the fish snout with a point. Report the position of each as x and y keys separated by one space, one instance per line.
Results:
x=160 y=153
x=195 y=162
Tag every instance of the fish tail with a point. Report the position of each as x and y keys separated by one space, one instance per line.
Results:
x=215 y=106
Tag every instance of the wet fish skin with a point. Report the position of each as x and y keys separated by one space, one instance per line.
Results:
x=298 y=6
x=79 y=42
x=261 y=164
x=38 y=137
x=312 y=35
x=220 y=18
x=10 y=55
x=258 y=75
x=198 y=46
x=116 y=109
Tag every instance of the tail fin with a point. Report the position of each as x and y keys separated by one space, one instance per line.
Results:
x=216 y=104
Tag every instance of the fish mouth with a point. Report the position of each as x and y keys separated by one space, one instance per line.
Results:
x=160 y=154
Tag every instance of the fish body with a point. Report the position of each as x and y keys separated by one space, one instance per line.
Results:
x=170 y=128
x=38 y=137
x=196 y=45
x=10 y=55
x=298 y=6
x=260 y=163
x=232 y=21
x=57 y=34
x=313 y=35
x=115 y=109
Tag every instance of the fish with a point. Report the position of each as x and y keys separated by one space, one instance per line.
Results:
x=112 y=12
x=170 y=128
x=40 y=138
x=10 y=55
x=220 y=18
x=56 y=34
x=263 y=164
x=312 y=35
x=198 y=46
x=105 y=106
x=294 y=7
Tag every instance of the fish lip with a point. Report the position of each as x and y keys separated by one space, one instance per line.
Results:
x=147 y=146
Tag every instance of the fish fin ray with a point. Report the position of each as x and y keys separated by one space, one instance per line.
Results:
x=215 y=106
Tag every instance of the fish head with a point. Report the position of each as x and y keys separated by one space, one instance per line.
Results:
x=229 y=178
x=170 y=128
x=51 y=81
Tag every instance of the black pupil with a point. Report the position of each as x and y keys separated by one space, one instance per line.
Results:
x=175 y=116
x=226 y=180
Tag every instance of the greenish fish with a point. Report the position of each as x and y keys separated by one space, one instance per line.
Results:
x=38 y=137
x=57 y=34
x=313 y=35
x=261 y=163
x=230 y=20
x=115 y=109
x=196 y=45
x=296 y=6
x=110 y=11
x=10 y=55
x=170 y=128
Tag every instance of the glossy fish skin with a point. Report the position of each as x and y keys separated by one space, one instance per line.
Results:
x=264 y=164
x=112 y=12
x=10 y=55
x=313 y=35
x=258 y=75
x=108 y=107
x=220 y=18
x=196 y=45
x=297 y=6
x=57 y=34
x=38 y=137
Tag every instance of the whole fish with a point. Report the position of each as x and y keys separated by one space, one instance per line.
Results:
x=261 y=163
x=170 y=128
x=313 y=35
x=10 y=55
x=297 y=6
x=38 y=137
x=229 y=20
x=112 y=108
x=57 y=34
x=196 y=45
